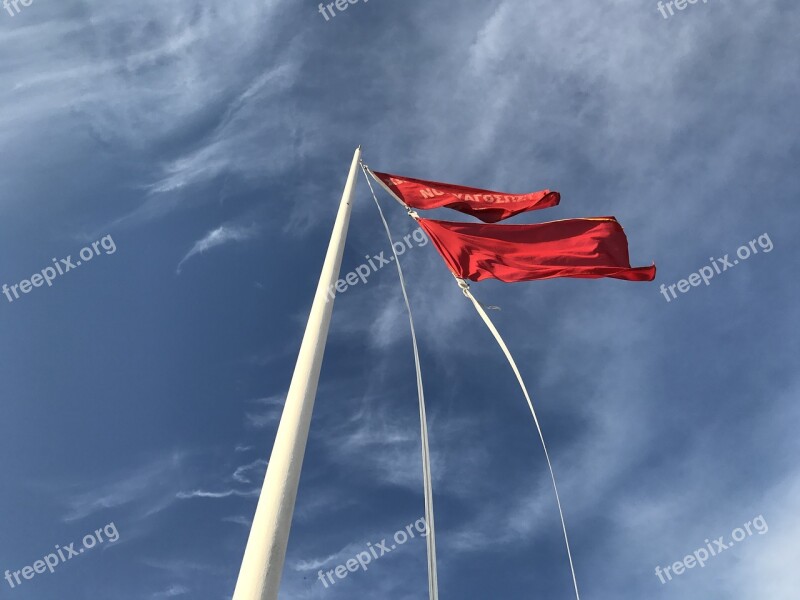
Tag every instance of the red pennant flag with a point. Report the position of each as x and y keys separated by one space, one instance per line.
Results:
x=486 y=205
x=588 y=248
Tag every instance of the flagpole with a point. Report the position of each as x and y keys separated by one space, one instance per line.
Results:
x=264 y=556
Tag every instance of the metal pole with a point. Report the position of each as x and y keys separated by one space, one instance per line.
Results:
x=262 y=565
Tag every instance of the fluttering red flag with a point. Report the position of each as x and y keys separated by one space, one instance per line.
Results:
x=588 y=248
x=486 y=205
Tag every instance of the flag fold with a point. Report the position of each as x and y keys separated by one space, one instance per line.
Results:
x=486 y=205
x=586 y=248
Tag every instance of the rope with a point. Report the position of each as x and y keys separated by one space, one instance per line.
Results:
x=465 y=288
x=433 y=586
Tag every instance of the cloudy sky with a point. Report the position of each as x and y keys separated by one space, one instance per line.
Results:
x=207 y=143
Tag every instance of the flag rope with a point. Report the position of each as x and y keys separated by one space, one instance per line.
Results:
x=479 y=307
x=433 y=586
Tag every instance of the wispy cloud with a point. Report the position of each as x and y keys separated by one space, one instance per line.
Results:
x=236 y=132
x=276 y=400
x=239 y=520
x=224 y=234
x=268 y=416
x=191 y=84
x=171 y=592
x=217 y=495
x=315 y=563
x=262 y=420
x=151 y=488
x=178 y=567
x=241 y=473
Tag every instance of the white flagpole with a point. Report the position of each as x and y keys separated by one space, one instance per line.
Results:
x=262 y=565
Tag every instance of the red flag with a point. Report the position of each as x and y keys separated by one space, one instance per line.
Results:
x=589 y=248
x=486 y=205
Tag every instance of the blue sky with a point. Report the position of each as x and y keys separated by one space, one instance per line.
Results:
x=212 y=140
